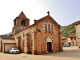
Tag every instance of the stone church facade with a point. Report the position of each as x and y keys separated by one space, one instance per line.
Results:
x=42 y=37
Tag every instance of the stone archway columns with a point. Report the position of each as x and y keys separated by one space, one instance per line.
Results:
x=0 y=43
x=25 y=44
x=61 y=47
x=53 y=45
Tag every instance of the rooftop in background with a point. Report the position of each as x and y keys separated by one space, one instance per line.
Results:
x=71 y=35
x=6 y=36
x=77 y=23
x=63 y=38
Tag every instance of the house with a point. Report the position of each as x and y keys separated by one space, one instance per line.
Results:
x=72 y=40
x=6 y=42
x=64 y=40
x=77 y=27
x=43 y=36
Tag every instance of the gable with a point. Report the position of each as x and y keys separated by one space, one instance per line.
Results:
x=47 y=19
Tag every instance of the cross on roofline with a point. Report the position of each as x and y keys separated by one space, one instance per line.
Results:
x=48 y=12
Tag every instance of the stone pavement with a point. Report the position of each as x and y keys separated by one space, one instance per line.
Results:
x=69 y=53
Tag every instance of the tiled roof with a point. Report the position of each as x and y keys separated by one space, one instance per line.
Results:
x=8 y=41
x=71 y=35
x=22 y=15
x=77 y=23
x=6 y=36
x=64 y=38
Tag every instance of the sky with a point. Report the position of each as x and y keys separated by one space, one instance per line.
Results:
x=64 y=12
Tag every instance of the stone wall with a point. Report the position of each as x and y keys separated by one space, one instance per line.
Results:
x=0 y=43
x=37 y=43
x=78 y=34
x=61 y=46
x=25 y=35
x=55 y=34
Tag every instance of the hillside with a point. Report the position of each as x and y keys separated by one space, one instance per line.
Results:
x=8 y=33
x=70 y=29
x=62 y=27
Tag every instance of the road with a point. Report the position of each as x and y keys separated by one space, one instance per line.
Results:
x=69 y=53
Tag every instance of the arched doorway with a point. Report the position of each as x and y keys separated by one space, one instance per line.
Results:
x=50 y=44
x=49 y=47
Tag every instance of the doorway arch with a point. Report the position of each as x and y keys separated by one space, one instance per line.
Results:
x=50 y=43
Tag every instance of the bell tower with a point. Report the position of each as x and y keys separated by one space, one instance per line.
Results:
x=20 y=23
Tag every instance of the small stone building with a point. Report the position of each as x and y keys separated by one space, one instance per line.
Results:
x=64 y=40
x=42 y=37
x=6 y=42
x=72 y=40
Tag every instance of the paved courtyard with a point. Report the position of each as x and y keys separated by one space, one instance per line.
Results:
x=69 y=53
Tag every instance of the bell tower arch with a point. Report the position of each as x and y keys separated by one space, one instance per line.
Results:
x=23 y=23
x=20 y=23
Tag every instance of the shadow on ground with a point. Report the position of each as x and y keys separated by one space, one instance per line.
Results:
x=67 y=52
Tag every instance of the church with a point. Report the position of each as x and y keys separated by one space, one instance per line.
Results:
x=43 y=36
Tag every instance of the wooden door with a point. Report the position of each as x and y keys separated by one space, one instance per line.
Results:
x=49 y=46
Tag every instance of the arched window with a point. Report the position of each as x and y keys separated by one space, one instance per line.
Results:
x=45 y=28
x=23 y=23
x=52 y=28
x=15 y=22
x=48 y=27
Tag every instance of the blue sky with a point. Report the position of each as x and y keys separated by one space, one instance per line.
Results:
x=64 y=12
